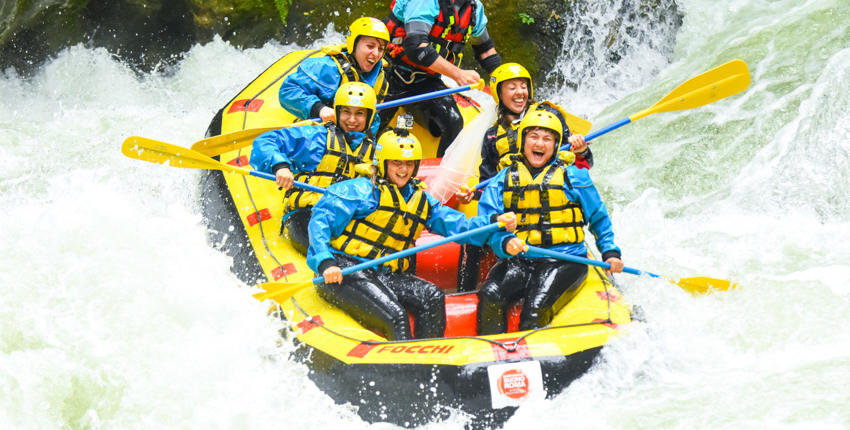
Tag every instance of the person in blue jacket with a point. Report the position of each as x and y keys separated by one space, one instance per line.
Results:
x=319 y=154
x=512 y=89
x=307 y=92
x=427 y=39
x=359 y=220
x=553 y=200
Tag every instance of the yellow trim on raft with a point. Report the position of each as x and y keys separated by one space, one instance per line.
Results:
x=573 y=330
x=332 y=331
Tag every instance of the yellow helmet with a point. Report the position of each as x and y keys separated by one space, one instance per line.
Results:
x=365 y=27
x=356 y=94
x=508 y=71
x=542 y=119
x=395 y=146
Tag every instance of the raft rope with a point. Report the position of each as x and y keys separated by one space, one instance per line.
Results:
x=470 y=101
x=510 y=346
x=259 y=222
x=297 y=63
x=239 y=154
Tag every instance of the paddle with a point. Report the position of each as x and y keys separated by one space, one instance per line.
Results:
x=224 y=143
x=282 y=291
x=715 y=84
x=154 y=151
x=698 y=285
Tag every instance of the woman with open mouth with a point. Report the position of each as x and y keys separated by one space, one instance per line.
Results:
x=553 y=200
x=309 y=90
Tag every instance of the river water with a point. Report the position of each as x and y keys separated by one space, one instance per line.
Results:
x=116 y=314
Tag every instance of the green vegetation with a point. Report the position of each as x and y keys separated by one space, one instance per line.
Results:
x=526 y=18
x=283 y=8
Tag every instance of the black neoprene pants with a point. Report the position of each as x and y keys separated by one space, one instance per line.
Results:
x=542 y=282
x=379 y=301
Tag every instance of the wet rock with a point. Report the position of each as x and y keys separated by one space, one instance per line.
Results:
x=147 y=33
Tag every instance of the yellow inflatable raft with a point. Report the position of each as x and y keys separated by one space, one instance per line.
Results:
x=412 y=382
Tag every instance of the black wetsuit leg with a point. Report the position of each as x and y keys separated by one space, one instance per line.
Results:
x=468 y=267
x=546 y=295
x=364 y=296
x=424 y=300
x=505 y=284
x=295 y=229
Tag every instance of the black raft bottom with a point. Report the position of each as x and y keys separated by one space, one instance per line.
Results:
x=413 y=395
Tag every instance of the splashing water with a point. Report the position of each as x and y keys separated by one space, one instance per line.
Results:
x=115 y=313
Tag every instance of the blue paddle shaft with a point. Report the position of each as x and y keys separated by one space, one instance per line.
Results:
x=577 y=259
x=298 y=184
x=401 y=254
x=566 y=147
x=414 y=99
x=420 y=97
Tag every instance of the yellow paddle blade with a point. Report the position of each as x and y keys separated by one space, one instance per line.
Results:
x=280 y=291
x=224 y=143
x=704 y=285
x=154 y=151
x=577 y=125
x=715 y=84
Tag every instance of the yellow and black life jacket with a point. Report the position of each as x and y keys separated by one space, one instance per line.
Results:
x=336 y=165
x=545 y=214
x=394 y=226
x=449 y=32
x=350 y=74
x=507 y=141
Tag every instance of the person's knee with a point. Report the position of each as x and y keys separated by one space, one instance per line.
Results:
x=492 y=294
x=535 y=318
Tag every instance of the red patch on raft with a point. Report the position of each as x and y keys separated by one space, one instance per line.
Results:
x=240 y=106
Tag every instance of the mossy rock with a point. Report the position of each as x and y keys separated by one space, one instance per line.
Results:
x=528 y=32
x=146 y=33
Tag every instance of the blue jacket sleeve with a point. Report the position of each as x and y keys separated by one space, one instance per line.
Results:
x=492 y=203
x=342 y=202
x=595 y=211
x=446 y=222
x=300 y=147
x=480 y=20
x=315 y=80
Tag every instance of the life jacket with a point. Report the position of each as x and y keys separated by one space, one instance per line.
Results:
x=336 y=165
x=350 y=74
x=449 y=33
x=507 y=141
x=394 y=226
x=545 y=214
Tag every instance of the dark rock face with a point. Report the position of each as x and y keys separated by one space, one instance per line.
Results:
x=147 y=33
x=143 y=33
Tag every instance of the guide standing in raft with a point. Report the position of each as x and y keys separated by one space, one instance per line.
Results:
x=359 y=220
x=427 y=39
x=318 y=155
x=554 y=200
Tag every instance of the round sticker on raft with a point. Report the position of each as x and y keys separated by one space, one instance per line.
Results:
x=512 y=384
